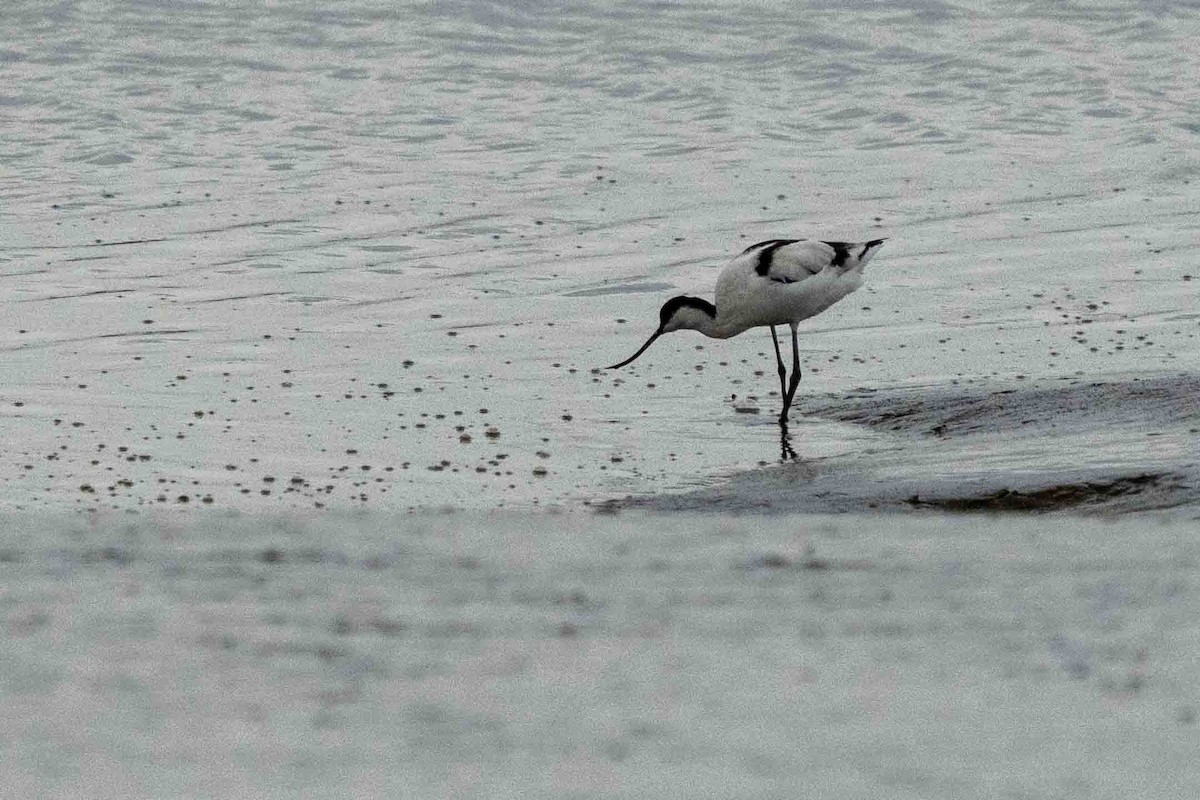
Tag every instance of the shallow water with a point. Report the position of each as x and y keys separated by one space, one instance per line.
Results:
x=276 y=258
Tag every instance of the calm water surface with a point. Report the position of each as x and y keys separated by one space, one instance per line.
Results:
x=309 y=254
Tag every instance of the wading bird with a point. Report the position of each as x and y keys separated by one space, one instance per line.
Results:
x=776 y=282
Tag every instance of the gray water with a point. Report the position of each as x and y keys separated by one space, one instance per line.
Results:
x=285 y=255
x=300 y=259
x=489 y=99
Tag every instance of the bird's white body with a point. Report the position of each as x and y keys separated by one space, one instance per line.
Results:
x=776 y=282
x=782 y=282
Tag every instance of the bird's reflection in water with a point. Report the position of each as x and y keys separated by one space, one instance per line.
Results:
x=786 y=452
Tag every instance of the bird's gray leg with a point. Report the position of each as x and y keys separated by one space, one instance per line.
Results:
x=795 y=381
x=779 y=361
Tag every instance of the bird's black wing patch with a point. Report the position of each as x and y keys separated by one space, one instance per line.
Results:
x=767 y=253
x=769 y=241
x=868 y=245
x=841 y=252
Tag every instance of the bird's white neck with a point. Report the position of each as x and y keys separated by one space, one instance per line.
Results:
x=696 y=319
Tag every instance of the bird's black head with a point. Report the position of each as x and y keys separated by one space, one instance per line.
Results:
x=675 y=304
x=671 y=317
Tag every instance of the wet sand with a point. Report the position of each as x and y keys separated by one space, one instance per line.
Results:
x=626 y=656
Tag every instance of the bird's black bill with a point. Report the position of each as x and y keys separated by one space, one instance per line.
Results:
x=649 y=342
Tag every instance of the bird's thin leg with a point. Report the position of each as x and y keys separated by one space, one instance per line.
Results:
x=795 y=381
x=779 y=361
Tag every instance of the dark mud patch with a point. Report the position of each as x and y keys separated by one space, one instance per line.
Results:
x=841 y=488
x=809 y=562
x=957 y=410
x=1123 y=445
x=1079 y=496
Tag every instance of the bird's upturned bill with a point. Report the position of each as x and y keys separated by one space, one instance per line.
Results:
x=649 y=342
